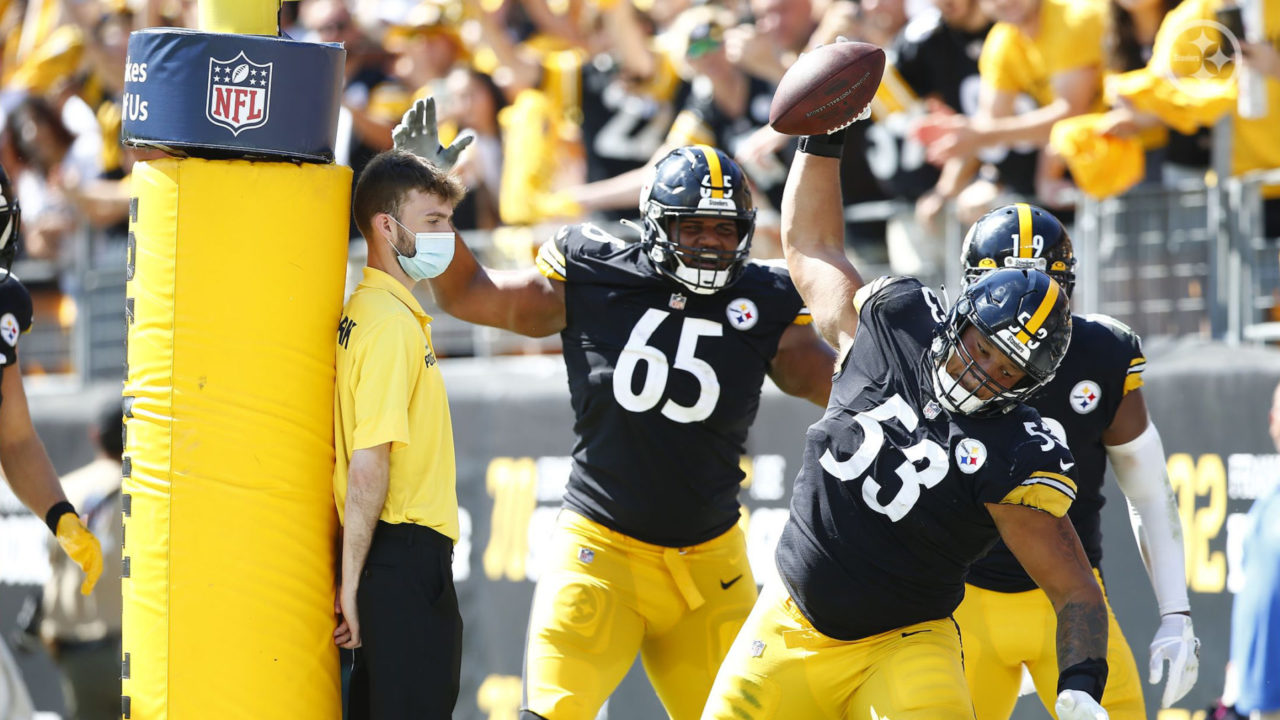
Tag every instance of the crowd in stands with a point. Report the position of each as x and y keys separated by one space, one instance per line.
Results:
x=983 y=101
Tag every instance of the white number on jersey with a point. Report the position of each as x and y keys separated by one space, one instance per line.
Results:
x=895 y=408
x=638 y=350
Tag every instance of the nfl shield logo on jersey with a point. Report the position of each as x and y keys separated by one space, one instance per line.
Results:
x=970 y=455
x=239 y=94
x=1085 y=396
x=9 y=329
x=743 y=314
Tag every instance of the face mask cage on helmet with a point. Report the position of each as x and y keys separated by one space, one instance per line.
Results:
x=10 y=222
x=993 y=243
x=696 y=181
x=703 y=270
x=999 y=326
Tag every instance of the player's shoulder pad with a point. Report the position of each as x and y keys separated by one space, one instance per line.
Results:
x=1106 y=328
x=572 y=242
x=1042 y=465
x=15 y=300
x=881 y=287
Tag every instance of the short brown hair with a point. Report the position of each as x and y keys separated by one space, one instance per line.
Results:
x=390 y=176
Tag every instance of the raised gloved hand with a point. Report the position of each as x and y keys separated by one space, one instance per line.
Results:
x=82 y=547
x=1176 y=643
x=1078 y=705
x=418 y=134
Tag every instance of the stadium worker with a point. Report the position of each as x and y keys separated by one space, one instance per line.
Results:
x=1095 y=405
x=667 y=342
x=26 y=464
x=394 y=476
x=924 y=457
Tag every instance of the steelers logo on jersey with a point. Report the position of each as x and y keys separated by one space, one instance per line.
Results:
x=970 y=455
x=743 y=314
x=9 y=329
x=1085 y=396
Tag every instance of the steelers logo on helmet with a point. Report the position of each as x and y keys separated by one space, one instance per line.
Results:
x=1024 y=315
x=1085 y=396
x=743 y=314
x=1020 y=236
x=697 y=182
x=970 y=455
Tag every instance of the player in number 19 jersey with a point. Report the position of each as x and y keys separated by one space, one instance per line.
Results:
x=667 y=343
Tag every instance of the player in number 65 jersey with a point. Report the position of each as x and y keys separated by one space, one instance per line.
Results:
x=667 y=342
x=924 y=457
x=1094 y=405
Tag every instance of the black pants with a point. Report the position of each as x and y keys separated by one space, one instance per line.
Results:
x=410 y=662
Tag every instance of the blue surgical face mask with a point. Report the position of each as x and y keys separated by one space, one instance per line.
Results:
x=433 y=251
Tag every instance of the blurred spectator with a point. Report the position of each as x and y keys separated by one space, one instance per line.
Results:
x=472 y=100
x=724 y=107
x=1255 y=141
x=1051 y=50
x=82 y=632
x=1255 y=616
x=50 y=157
x=427 y=46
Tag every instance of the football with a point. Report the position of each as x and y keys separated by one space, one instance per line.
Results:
x=827 y=88
x=240 y=73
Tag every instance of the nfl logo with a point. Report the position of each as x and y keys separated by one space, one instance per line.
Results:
x=239 y=94
x=586 y=555
x=757 y=648
x=677 y=301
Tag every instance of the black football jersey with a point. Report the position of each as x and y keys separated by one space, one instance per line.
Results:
x=664 y=384
x=940 y=61
x=15 y=318
x=624 y=124
x=889 y=508
x=702 y=121
x=1104 y=362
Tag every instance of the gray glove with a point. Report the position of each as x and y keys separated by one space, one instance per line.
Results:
x=417 y=133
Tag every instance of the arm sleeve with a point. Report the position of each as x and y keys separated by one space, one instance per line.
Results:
x=1139 y=466
x=382 y=381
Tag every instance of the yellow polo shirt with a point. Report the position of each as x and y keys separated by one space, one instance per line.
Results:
x=1070 y=37
x=389 y=389
x=1255 y=141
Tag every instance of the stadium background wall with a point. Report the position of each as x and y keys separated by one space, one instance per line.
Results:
x=513 y=431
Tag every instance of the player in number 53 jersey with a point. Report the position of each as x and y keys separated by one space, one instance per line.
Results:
x=924 y=457
x=667 y=342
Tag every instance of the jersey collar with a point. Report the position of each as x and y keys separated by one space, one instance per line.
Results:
x=375 y=278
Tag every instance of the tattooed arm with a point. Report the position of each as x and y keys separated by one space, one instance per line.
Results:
x=1050 y=551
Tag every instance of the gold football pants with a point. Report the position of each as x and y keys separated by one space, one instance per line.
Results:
x=605 y=596
x=1003 y=631
x=781 y=667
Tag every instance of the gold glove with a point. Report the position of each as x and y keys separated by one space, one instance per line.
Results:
x=81 y=546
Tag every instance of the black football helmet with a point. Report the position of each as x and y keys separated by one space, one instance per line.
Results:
x=1020 y=236
x=1022 y=312
x=10 y=223
x=697 y=180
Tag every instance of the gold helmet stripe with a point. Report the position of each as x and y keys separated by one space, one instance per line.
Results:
x=713 y=168
x=1042 y=312
x=1025 y=249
